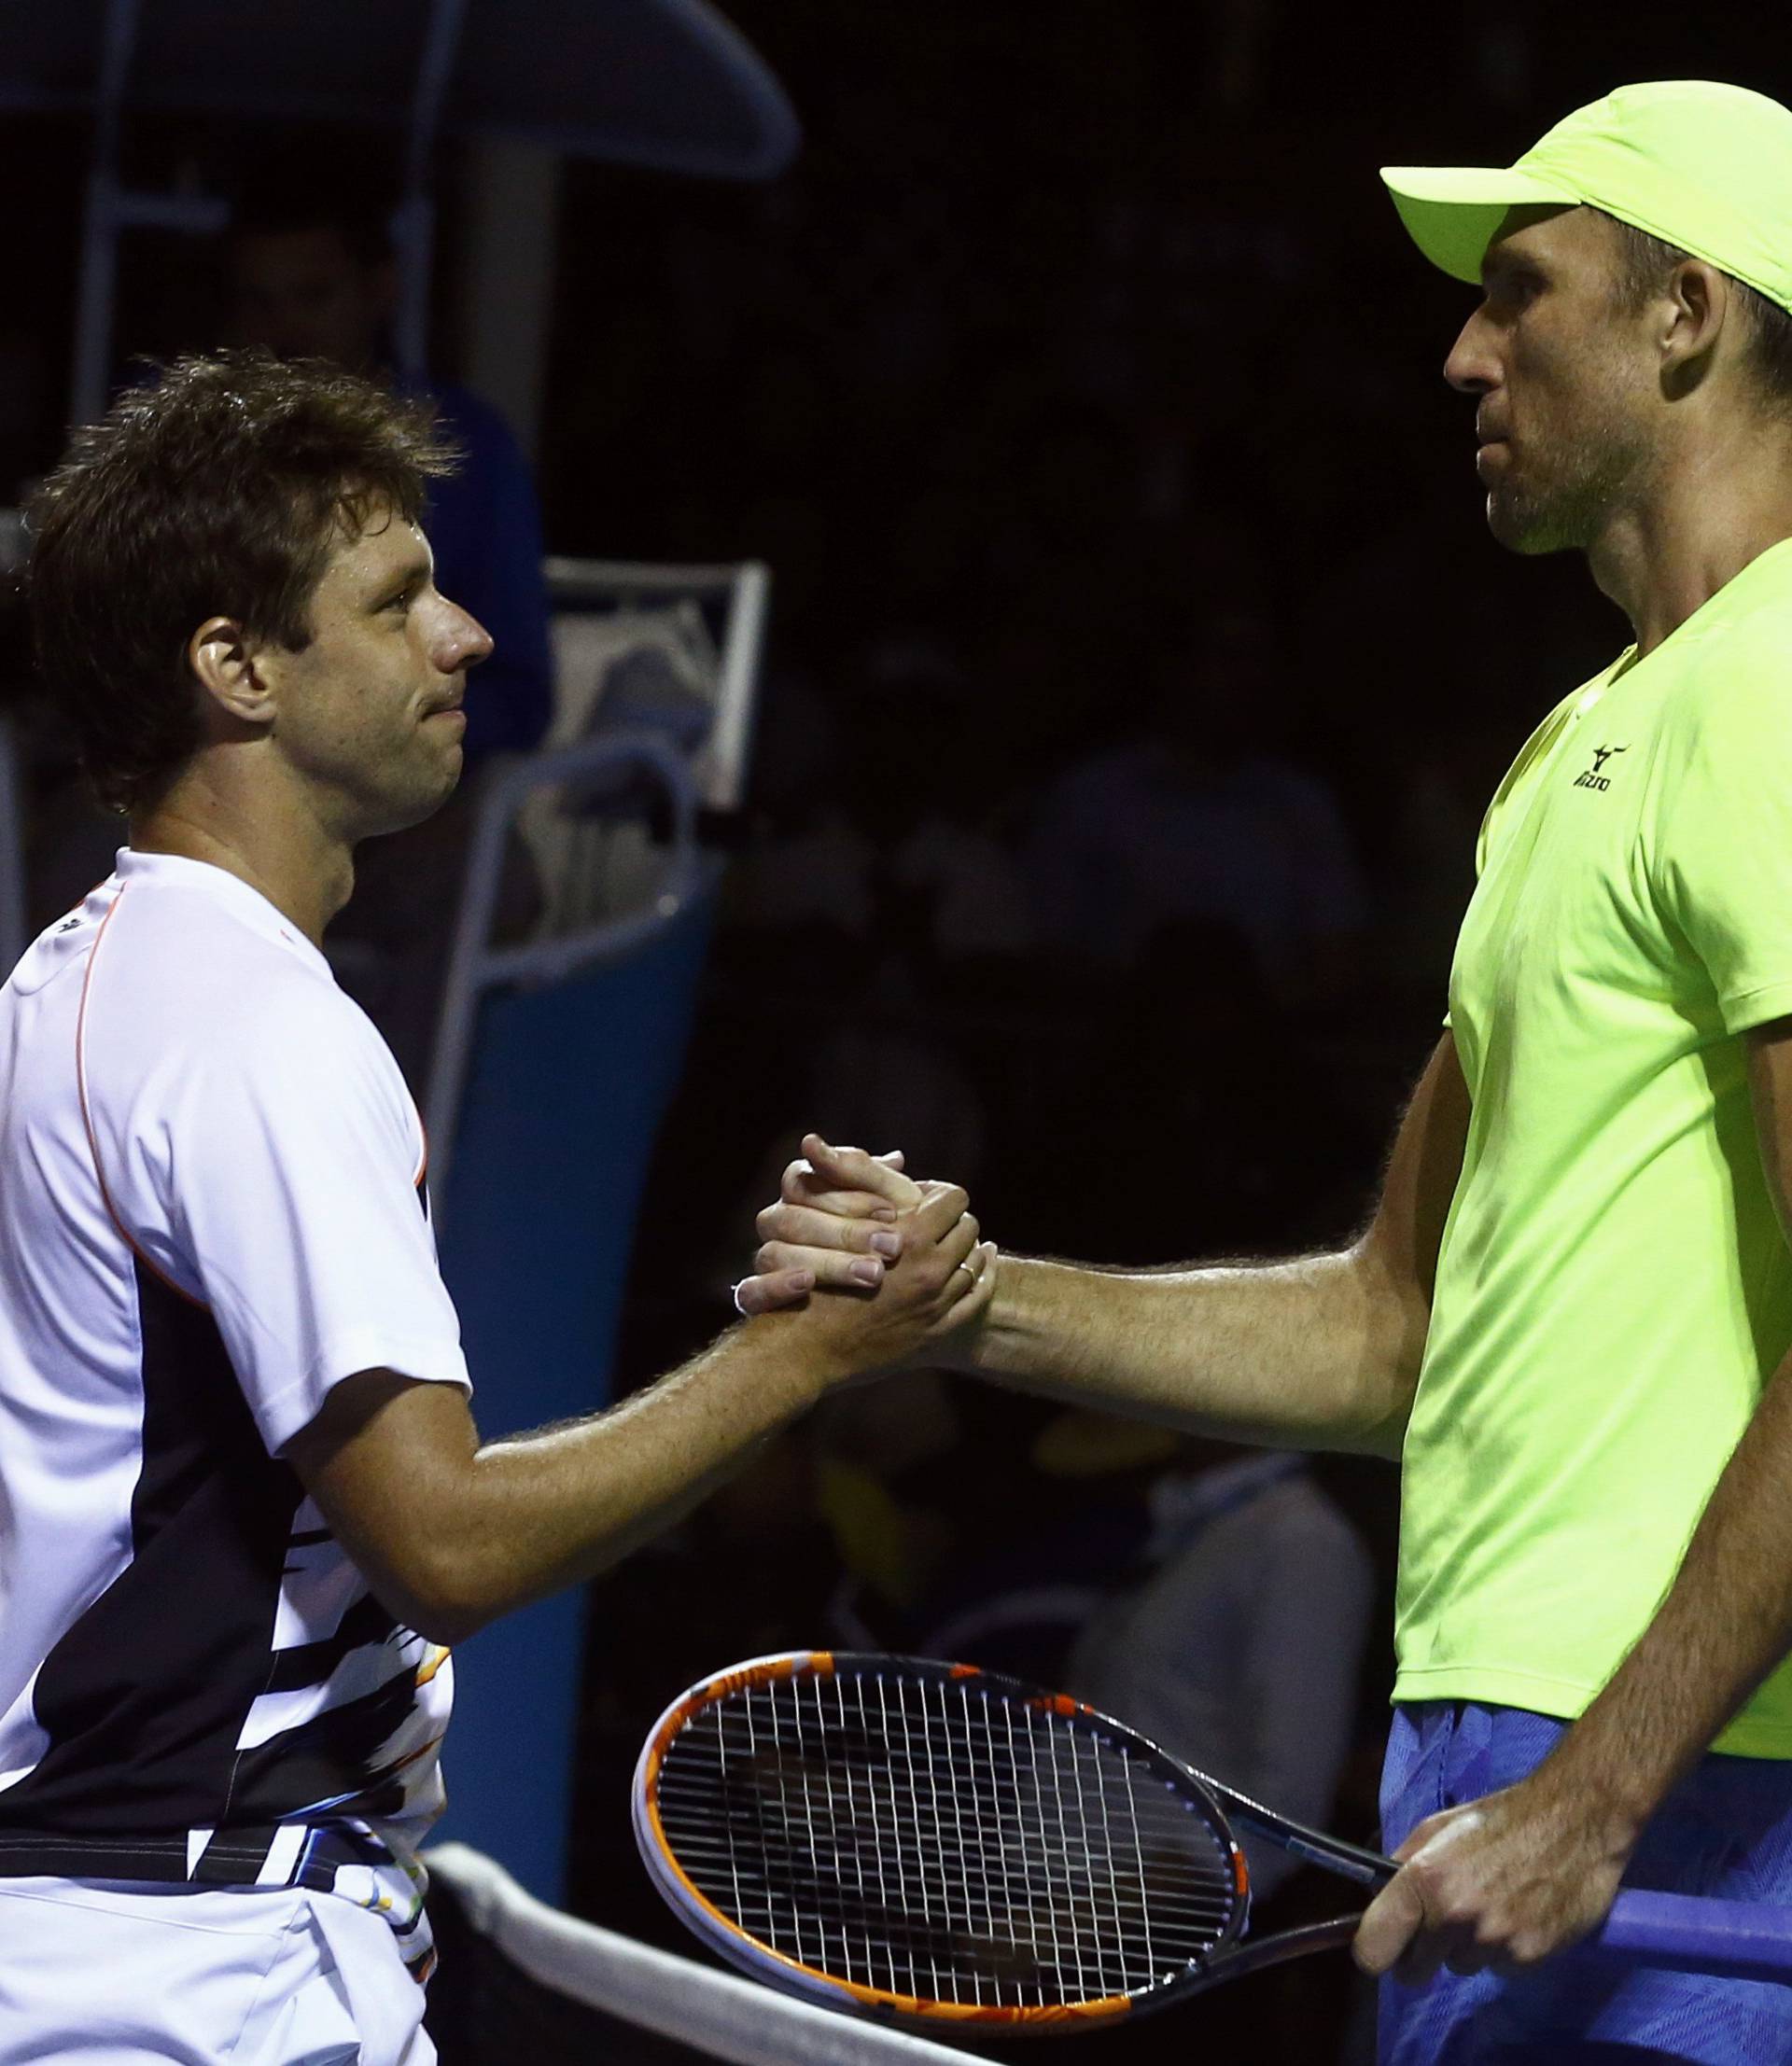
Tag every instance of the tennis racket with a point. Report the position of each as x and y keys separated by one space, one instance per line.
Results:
x=921 y=1840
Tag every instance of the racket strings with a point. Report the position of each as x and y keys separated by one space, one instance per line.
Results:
x=942 y=1840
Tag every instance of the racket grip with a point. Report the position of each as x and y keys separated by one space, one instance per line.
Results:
x=1743 y=1940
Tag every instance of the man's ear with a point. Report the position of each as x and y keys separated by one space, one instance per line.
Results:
x=1695 y=309
x=224 y=659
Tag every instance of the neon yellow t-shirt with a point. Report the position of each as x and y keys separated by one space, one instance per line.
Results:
x=1614 y=1287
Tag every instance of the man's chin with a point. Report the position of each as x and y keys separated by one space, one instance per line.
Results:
x=1520 y=526
x=399 y=816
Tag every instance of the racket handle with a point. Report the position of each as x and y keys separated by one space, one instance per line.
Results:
x=1739 y=1940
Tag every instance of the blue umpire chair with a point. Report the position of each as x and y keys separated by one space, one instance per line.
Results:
x=553 y=1068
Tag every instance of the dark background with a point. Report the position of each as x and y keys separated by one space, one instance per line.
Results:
x=1078 y=325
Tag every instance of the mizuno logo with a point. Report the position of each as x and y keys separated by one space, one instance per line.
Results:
x=1593 y=778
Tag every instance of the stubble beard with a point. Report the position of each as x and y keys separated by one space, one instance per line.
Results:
x=1566 y=493
x=1565 y=516
x=403 y=795
x=428 y=797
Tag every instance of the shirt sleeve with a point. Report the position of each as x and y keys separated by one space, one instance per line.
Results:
x=1720 y=841
x=294 y=1205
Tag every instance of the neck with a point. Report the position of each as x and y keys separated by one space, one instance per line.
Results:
x=1667 y=554
x=304 y=870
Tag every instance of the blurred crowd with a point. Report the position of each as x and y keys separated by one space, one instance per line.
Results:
x=1139 y=673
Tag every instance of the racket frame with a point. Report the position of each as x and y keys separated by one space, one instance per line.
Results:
x=1680 y=1932
x=1216 y=1803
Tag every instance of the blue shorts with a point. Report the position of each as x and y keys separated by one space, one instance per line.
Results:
x=1726 y=1830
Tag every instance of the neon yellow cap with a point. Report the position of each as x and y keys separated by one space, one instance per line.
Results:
x=1703 y=166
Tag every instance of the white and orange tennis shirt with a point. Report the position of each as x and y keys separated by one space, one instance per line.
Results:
x=212 y=1210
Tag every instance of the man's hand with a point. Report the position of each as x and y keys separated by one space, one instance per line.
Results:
x=834 y=1226
x=946 y=1280
x=452 y=1531
x=1500 y=1882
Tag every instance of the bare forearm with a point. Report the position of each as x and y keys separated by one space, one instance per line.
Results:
x=450 y=1533
x=1323 y=1352
x=1724 y=1625
x=547 y=1510
x=1320 y=1353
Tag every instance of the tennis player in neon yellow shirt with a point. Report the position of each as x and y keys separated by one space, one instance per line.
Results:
x=1571 y=1316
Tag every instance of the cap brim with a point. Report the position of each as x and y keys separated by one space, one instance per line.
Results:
x=1451 y=211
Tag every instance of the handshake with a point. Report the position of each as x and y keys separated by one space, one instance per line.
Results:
x=848 y=1222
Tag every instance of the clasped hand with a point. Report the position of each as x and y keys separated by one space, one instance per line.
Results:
x=844 y=1220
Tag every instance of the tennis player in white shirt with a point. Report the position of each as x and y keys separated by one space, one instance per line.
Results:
x=244 y=1505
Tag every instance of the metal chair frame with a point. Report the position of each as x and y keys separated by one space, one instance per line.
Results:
x=476 y=967
x=113 y=208
x=745 y=589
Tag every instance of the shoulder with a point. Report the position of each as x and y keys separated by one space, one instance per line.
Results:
x=1738 y=671
x=168 y=939
x=179 y=981
x=1728 y=717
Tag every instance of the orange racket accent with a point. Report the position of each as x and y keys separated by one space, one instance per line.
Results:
x=760 y=1671
x=755 y=1954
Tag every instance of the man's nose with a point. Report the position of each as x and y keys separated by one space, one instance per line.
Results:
x=1471 y=368
x=471 y=641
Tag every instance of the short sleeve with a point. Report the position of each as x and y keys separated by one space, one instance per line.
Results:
x=292 y=1204
x=1720 y=842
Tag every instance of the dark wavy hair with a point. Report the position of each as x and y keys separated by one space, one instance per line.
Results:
x=215 y=490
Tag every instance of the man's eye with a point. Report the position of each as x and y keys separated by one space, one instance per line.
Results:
x=1512 y=287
